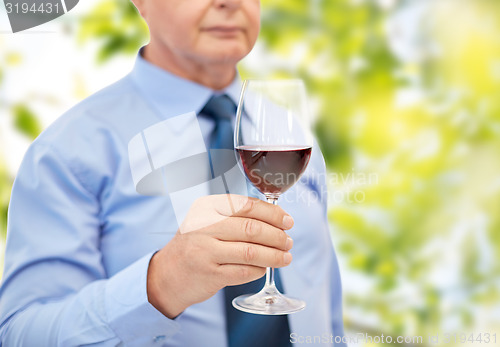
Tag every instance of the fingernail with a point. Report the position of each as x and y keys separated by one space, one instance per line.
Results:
x=289 y=243
x=287 y=258
x=288 y=221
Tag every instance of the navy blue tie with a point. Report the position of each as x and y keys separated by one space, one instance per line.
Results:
x=244 y=329
x=222 y=110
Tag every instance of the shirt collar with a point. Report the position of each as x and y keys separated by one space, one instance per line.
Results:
x=171 y=95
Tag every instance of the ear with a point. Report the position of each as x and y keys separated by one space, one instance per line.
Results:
x=139 y=4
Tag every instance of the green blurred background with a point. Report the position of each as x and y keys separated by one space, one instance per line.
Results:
x=407 y=98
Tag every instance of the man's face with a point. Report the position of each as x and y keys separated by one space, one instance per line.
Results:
x=202 y=31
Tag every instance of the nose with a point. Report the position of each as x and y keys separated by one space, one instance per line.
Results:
x=227 y=4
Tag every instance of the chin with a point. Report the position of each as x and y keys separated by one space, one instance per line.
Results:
x=229 y=59
x=227 y=55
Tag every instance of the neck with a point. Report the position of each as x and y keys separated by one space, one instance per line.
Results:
x=216 y=76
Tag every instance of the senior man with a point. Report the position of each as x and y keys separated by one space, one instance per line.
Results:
x=89 y=261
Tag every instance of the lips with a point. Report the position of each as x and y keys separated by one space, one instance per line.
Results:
x=223 y=29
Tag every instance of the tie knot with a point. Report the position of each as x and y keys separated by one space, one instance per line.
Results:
x=220 y=107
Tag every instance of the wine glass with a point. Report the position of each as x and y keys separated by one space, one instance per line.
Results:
x=273 y=145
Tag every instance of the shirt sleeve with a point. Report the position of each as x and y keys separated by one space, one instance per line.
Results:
x=55 y=291
x=319 y=184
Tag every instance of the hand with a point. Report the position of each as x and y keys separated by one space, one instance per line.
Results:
x=224 y=240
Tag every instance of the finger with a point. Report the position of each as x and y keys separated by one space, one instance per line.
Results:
x=251 y=254
x=261 y=210
x=238 y=274
x=254 y=231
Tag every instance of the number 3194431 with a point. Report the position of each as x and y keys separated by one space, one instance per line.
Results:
x=34 y=8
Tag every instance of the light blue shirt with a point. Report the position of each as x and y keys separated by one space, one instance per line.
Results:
x=80 y=237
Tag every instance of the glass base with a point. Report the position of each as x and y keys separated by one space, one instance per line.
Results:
x=269 y=301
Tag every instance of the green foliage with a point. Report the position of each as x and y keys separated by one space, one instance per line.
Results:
x=5 y=184
x=116 y=26
x=26 y=121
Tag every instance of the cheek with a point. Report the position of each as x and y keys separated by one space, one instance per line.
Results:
x=173 y=21
x=253 y=14
x=176 y=34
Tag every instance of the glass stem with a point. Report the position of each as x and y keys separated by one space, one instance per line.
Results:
x=270 y=277
x=270 y=270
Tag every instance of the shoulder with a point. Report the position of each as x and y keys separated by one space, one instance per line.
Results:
x=91 y=113
x=91 y=138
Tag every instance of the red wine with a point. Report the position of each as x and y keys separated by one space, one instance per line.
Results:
x=272 y=170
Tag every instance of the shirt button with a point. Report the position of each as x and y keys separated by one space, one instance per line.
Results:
x=159 y=338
